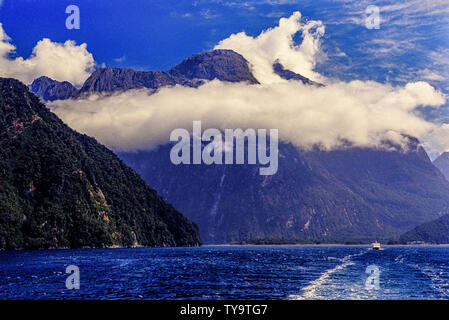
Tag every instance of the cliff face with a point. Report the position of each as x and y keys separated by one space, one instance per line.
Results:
x=59 y=188
x=348 y=195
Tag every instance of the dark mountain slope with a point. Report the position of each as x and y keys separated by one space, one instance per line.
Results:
x=436 y=232
x=59 y=188
x=349 y=195
x=290 y=75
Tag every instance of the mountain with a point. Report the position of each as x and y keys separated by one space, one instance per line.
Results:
x=224 y=65
x=59 y=188
x=436 y=232
x=290 y=75
x=51 y=90
x=352 y=195
x=349 y=195
x=442 y=163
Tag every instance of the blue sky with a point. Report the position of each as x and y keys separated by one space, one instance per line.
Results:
x=412 y=43
x=412 y=40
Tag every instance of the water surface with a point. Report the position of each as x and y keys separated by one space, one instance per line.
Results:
x=228 y=272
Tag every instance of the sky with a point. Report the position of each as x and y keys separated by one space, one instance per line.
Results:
x=410 y=45
x=413 y=39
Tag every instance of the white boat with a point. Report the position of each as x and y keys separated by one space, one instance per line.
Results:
x=376 y=246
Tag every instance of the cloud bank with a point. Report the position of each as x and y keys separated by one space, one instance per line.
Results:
x=363 y=113
x=60 y=61
x=278 y=44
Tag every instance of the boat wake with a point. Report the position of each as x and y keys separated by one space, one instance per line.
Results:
x=310 y=292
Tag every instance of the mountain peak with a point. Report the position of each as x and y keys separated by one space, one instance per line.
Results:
x=51 y=90
x=221 y=64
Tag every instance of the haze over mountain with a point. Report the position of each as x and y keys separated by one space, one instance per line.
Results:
x=59 y=188
x=351 y=194
x=442 y=163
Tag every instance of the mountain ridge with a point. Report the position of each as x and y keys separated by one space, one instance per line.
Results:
x=432 y=232
x=224 y=65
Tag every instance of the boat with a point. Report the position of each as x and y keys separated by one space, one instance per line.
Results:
x=376 y=246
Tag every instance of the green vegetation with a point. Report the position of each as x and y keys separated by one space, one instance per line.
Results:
x=59 y=188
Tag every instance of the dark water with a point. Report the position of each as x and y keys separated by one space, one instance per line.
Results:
x=242 y=272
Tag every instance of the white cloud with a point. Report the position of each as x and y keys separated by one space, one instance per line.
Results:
x=278 y=44
x=365 y=113
x=121 y=59
x=208 y=14
x=430 y=75
x=60 y=61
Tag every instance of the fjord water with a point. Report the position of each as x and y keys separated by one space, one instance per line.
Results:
x=228 y=272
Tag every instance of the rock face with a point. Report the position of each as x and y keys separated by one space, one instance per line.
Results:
x=442 y=163
x=350 y=195
x=290 y=75
x=353 y=195
x=51 y=90
x=59 y=188
x=224 y=65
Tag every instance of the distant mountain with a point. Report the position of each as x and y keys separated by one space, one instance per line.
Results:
x=51 y=90
x=435 y=232
x=59 y=188
x=442 y=163
x=290 y=75
x=350 y=195
x=224 y=65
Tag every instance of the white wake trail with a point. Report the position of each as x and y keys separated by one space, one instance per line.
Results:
x=310 y=292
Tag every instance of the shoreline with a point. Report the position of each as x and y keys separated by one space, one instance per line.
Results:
x=326 y=245
x=240 y=245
